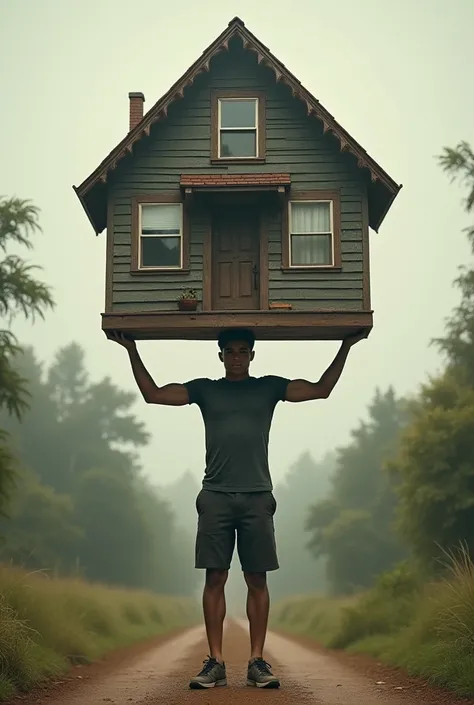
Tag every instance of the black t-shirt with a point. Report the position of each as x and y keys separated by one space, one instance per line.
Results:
x=237 y=418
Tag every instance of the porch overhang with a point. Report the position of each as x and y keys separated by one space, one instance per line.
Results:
x=266 y=325
x=212 y=183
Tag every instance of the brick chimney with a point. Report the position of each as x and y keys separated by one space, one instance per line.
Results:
x=136 y=108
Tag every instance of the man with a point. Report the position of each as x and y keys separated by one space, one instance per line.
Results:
x=237 y=492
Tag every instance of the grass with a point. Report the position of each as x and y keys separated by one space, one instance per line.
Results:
x=47 y=624
x=426 y=628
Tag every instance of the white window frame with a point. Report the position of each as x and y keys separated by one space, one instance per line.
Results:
x=331 y=233
x=220 y=129
x=141 y=235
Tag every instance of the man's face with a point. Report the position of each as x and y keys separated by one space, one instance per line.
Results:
x=237 y=357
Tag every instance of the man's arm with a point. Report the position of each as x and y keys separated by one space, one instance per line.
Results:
x=302 y=390
x=168 y=395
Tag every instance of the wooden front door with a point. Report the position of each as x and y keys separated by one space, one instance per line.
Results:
x=235 y=259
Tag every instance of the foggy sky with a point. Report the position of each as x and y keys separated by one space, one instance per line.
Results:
x=390 y=73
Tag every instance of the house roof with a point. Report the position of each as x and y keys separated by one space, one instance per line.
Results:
x=235 y=180
x=92 y=192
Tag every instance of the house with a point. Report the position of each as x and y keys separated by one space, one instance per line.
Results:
x=237 y=184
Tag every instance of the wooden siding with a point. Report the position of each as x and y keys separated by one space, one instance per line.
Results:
x=342 y=290
x=295 y=143
x=152 y=292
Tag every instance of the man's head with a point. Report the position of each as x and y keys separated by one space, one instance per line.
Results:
x=236 y=351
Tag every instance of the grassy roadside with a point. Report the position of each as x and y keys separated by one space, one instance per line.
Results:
x=48 y=623
x=426 y=628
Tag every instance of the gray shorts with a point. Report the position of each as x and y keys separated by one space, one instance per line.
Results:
x=222 y=515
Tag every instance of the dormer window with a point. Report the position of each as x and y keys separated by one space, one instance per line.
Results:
x=238 y=126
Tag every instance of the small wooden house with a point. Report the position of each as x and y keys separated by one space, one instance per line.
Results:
x=237 y=185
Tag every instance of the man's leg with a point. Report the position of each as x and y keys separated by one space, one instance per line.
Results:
x=214 y=607
x=258 y=555
x=258 y=607
x=214 y=548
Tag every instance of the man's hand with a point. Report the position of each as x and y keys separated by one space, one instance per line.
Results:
x=122 y=339
x=354 y=338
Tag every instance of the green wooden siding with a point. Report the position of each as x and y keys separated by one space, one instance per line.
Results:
x=331 y=291
x=150 y=292
x=295 y=143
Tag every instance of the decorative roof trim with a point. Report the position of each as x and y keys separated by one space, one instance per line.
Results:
x=254 y=179
x=236 y=28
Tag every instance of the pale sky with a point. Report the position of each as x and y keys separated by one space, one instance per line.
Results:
x=390 y=73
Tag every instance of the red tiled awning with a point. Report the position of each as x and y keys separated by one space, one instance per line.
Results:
x=220 y=180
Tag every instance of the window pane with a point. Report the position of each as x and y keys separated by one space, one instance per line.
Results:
x=311 y=250
x=160 y=251
x=238 y=144
x=161 y=219
x=238 y=113
x=310 y=217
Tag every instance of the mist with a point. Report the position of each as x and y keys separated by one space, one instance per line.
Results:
x=68 y=70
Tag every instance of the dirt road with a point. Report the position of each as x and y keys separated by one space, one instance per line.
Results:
x=159 y=675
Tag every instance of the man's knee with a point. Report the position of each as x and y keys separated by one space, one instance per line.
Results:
x=256 y=582
x=216 y=579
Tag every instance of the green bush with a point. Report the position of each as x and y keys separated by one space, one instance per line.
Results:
x=386 y=609
x=425 y=627
x=314 y=616
x=47 y=623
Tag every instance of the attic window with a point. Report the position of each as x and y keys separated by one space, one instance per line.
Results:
x=312 y=231
x=158 y=234
x=238 y=126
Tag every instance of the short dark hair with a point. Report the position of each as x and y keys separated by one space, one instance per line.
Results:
x=233 y=334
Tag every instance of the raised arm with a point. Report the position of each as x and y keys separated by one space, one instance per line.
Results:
x=302 y=390
x=168 y=395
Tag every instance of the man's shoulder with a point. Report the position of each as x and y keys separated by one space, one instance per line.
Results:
x=202 y=384
x=198 y=389
x=272 y=379
x=199 y=380
x=275 y=386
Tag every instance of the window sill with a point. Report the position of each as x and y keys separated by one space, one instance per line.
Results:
x=144 y=272
x=290 y=270
x=237 y=160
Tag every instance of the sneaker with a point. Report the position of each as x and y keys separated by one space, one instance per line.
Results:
x=259 y=674
x=212 y=675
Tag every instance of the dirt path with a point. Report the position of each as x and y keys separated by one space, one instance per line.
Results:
x=159 y=675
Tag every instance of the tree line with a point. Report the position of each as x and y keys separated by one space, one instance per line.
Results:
x=403 y=489
x=73 y=496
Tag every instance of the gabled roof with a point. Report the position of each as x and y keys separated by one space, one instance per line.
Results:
x=382 y=188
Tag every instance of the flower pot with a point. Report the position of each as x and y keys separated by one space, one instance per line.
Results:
x=187 y=304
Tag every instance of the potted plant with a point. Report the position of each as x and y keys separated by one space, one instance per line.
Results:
x=188 y=300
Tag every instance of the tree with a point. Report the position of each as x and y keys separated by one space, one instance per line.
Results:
x=20 y=294
x=435 y=464
x=40 y=528
x=435 y=471
x=73 y=424
x=117 y=545
x=81 y=502
x=458 y=343
x=171 y=564
x=306 y=481
x=353 y=527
